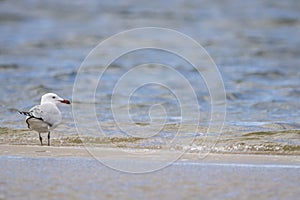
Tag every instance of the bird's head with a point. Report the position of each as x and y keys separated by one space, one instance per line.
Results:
x=53 y=98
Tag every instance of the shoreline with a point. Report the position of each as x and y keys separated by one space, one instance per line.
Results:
x=30 y=151
x=252 y=143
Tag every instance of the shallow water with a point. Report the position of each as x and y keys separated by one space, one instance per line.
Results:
x=255 y=45
x=35 y=178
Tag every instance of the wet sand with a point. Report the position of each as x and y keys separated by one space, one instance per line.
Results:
x=114 y=153
x=32 y=172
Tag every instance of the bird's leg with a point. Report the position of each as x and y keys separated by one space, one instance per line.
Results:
x=49 y=138
x=41 y=139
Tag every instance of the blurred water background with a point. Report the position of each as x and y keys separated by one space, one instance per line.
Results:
x=255 y=45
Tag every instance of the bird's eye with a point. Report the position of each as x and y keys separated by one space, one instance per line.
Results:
x=53 y=97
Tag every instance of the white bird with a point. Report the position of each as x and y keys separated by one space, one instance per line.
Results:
x=45 y=117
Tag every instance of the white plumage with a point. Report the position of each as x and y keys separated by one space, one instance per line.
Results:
x=45 y=117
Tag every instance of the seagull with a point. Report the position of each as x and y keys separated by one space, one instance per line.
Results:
x=45 y=117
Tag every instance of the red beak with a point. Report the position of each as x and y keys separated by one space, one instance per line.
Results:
x=65 y=101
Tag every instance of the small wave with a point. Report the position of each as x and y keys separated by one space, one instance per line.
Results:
x=268 y=142
x=8 y=66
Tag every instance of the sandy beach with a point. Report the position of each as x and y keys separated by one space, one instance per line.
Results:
x=32 y=172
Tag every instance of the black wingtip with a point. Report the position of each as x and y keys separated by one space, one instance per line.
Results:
x=24 y=113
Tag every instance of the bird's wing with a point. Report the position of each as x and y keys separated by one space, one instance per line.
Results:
x=35 y=113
